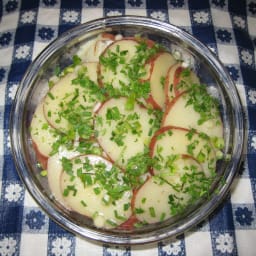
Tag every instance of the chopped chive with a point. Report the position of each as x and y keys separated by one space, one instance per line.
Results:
x=162 y=216
x=126 y=206
x=152 y=212
x=51 y=95
x=111 y=222
x=119 y=217
x=69 y=189
x=43 y=173
x=143 y=200
x=97 y=190
x=139 y=210
x=83 y=203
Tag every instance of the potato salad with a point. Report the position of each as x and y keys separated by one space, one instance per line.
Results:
x=127 y=135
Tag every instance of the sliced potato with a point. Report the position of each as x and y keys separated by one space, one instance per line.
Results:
x=151 y=203
x=179 y=113
x=91 y=50
x=161 y=63
x=118 y=55
x=125 y=135
x=43 y=135
x=64 y=92
x=143 y=83
x=170 y=141
x=54 y=172
x=178 y=80
x=85 y=193
x=177 y=167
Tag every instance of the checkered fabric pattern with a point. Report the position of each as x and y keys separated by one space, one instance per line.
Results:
x=227 y=27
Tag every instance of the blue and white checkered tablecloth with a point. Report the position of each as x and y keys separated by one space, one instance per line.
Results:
x=227 y=27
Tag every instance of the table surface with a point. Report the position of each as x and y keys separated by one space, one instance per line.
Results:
x=227 y=27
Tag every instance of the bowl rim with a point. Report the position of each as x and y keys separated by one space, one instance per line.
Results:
x=16 y=138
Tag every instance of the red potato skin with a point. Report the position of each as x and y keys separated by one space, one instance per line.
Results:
x=175 y=82
x=45 y=114
x=105 y=37
x=99 y=108
x=99 y=72
x=159 y=132
x=154 y=140
x=170 y=104
x=40 y=157
x=103 y=103
x=149 y=62
x=96 y=112
x=108 y=36
x=153 y=58
x=183 y=156
x=167 y=85
x=129 y=224
x=150 y=100
x=149 y=42
x=162 y=130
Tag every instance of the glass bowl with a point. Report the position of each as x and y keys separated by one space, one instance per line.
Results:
x=34 y=86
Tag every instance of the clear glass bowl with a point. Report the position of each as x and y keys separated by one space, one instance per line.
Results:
x=34 y=86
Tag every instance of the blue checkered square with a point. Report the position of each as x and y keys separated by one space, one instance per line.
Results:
x=227 y=27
